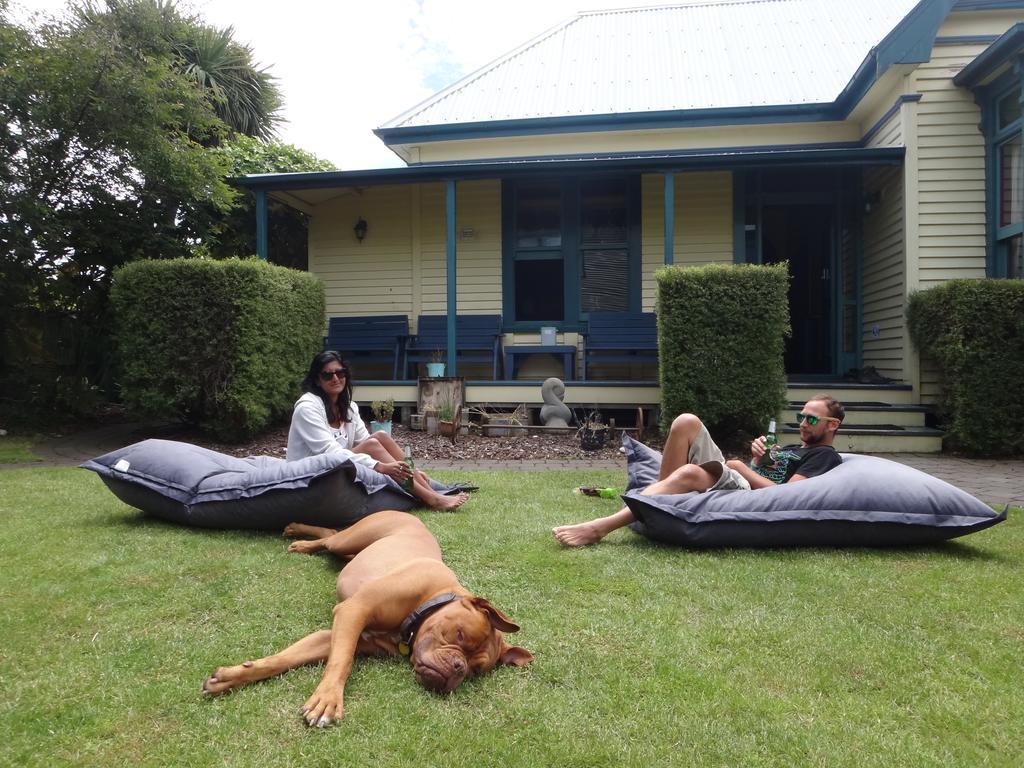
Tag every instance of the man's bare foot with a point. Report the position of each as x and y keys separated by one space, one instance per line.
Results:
x=450 y=503
x=224 y=679
x=579 y=535
x=297 y=530
x=306 y=547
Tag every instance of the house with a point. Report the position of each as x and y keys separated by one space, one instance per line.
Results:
x=875 y=145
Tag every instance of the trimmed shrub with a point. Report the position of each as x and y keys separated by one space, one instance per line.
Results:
x=222 y=345
x=974 y=331
x=721 y=330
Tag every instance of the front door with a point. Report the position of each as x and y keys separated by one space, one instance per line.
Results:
x=803 y=235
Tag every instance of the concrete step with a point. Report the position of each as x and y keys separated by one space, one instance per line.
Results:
x=877 y=438
x=864 y=414
x=848 y=392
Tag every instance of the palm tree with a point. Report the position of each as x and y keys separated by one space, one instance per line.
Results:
x=244 y=96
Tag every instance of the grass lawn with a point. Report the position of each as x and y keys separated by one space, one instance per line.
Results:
x=645 y=655
x=17 y=449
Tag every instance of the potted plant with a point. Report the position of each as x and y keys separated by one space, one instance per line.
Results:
x=435 y=368
x=382 y=411
x=446 y=416
x=593 y=432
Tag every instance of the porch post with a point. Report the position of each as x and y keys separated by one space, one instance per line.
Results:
x=450 y=271
x=670 y=219
x=261 y=223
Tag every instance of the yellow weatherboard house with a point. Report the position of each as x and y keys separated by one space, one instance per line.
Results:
x=874 y=145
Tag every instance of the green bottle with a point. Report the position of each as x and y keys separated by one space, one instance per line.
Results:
x=407 y=483
x=770 y=441
x=604 y=493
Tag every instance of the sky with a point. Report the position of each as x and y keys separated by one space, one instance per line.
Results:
x=348 y=67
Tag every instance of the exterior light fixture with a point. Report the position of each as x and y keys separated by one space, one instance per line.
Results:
x=360 y=229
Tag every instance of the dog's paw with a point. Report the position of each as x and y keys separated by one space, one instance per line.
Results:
x=323 y=708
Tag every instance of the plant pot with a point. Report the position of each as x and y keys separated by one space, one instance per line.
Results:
x=593 y=439
x=435 y=370
x=446 y=428
x=381 y=426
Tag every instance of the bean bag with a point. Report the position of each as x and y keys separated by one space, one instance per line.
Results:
x=190 y=485
x=866 y=501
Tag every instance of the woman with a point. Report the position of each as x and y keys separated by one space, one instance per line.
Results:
x=326 y=420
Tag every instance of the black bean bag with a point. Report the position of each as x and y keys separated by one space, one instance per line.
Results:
x=190 y=485
x=866 y=501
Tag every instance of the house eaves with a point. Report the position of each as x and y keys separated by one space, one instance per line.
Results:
x=908 y=42
x=992 y=59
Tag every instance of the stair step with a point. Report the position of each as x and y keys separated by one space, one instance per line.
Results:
x=869 y=413
x=880 y=438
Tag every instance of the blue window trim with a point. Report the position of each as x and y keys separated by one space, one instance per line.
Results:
x=988 y=98
x=569 y=251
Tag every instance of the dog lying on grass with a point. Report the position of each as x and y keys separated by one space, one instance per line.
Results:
x=395 y=596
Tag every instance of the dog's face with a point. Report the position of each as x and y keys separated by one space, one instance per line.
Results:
x=463 y=639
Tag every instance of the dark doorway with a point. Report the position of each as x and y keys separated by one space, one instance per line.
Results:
x=802 y=235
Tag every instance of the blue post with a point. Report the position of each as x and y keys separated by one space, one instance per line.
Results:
x=670 y=216
x=449 y=211
x=261 y=223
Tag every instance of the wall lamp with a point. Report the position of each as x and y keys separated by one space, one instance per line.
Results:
x=360 y=229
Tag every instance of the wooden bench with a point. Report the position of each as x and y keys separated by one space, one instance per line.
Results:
x=477 y=339
x=620 y=337
x=369 y=339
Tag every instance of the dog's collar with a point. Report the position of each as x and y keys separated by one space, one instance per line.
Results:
x=412 y=622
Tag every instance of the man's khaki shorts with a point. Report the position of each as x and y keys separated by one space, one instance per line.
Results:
x=705 y=453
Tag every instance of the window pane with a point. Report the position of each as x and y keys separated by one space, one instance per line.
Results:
x=538 y=215
x=604 y=280
x=1009 y=108
x=539 y=289
x=1011 y=183
x=603 y=211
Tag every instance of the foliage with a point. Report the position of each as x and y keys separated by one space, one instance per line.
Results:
x=646 y=655
x=721 y=331
x=234 y=234
x=974 y=331
x=383 y=410
x=219 y=344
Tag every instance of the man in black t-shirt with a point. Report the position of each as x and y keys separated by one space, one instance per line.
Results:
x=692 y=462
x=812 y=456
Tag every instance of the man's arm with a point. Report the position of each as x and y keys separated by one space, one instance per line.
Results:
x=756 y=481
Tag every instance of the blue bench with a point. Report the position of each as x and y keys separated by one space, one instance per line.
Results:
x=620 y=337
x=477 y=338
x=369 y=339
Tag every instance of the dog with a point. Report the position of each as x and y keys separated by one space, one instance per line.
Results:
x=395 y=597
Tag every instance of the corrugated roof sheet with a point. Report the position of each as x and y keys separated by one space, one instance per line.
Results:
x=679 y=57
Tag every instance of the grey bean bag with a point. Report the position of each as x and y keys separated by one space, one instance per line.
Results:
x=186 y=484
x=866 y=501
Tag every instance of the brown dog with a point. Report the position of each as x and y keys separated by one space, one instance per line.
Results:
x=395 y=596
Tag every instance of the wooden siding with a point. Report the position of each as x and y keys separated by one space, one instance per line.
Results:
x=884 y=281
x=703 y=224
x=400 y=267
x=950 y=172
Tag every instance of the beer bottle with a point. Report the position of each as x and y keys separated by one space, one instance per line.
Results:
x=407 y=483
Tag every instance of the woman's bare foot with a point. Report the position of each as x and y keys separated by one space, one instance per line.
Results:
x=579 y=535
x=449 y=503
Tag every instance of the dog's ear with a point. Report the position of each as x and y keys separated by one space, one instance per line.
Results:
x=515 y=656
x=497 y=617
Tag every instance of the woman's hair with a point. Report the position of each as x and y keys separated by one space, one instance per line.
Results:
x=312 y=383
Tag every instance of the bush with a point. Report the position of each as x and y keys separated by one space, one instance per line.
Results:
x=974 y=331
x=721 y=331
x=222 y=345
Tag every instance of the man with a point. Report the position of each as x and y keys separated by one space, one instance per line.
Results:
x=692 y=462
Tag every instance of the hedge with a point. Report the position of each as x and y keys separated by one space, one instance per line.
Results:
x=222 y=345
x=721 y=331
x=974 y=331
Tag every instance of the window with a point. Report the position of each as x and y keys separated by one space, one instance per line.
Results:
x=1004 y=132
x=571 y=247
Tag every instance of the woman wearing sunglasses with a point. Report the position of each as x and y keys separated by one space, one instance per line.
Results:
x=326 y=420
x=692 y=462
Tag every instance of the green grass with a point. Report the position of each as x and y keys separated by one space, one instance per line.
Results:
x=17 y=449
x=645 y=655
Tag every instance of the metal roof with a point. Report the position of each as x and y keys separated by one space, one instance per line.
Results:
x=705 y=55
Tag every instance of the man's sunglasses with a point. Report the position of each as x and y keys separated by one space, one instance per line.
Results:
x=813 y=420
x=340 y=373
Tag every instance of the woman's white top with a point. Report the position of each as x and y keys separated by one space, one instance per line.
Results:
x=311 y=433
